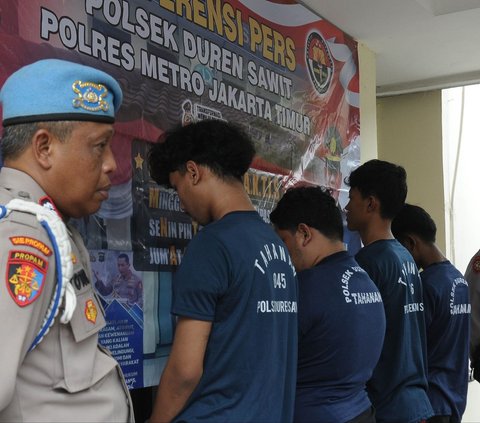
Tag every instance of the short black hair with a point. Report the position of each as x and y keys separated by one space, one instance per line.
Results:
x=416 y=221
x=123 y=256
x=313 y=206
x=223 y=147
x=384 y=180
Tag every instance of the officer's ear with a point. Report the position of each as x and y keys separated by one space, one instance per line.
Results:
x=42 y=142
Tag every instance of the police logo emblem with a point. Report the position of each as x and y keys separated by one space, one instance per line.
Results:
x=90 y=96
x=319 y=62
x=26 y=274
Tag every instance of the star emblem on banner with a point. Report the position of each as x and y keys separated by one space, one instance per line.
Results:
x=138 y=161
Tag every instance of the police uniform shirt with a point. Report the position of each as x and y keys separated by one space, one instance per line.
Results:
x=67 y=376
x=472 y=275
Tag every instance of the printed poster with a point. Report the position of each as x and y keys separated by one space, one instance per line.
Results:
x=289 y=77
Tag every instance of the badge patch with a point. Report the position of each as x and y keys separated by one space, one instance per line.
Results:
x=90 y=97
x=31 y=242
x=476 y=264
x=91 y=311
x=26 y=274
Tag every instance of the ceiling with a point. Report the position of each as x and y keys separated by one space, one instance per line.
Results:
x=419 y=44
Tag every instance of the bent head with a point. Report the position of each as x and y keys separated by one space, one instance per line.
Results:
x=181 y=157
x=299 y=213
x=412 y=227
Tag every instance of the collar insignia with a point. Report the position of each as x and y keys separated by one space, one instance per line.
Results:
x=26 y=274
x=90 y=96
x=91 y=311
x=48 y=203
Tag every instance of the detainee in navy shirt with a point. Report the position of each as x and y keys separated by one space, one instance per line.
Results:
x=447 y=318
x=234 y=353
x=399 y=382
x=398 y=387
x=447 y=313
x=340 y=314
x=341 y=332
x=238 y=274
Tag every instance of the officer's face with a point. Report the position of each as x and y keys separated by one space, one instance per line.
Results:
x=81 y=165
x=123 y=266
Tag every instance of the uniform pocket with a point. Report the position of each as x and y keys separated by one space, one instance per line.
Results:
x=83 y=363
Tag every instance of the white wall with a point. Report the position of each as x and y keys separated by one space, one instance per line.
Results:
x=461 y=143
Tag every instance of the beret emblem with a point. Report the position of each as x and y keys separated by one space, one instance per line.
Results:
x=90 y=96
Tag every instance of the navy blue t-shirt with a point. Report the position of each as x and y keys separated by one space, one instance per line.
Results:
x=237 y=274
x=398 y=387
x=341 y=330
x=447 y=318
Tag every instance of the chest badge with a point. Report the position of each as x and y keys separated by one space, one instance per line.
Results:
x=91 y=311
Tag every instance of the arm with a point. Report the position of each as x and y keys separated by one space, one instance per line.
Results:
x=101 y=287
x=183 y=370
x=20 y=324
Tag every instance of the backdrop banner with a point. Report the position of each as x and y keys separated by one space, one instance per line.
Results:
x=289 y=77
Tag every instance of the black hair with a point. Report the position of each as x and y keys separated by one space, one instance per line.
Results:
x=124 y=256
x=384 y=180
x=313 y=206
x=223 y=147
x=416 y=221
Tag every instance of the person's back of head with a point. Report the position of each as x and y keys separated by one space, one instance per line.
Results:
x=414 y=220
x=384 y=180
x=312 y=206
x=222 y=147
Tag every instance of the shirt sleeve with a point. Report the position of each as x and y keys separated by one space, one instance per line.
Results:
x=26 y=285
x=202 y=278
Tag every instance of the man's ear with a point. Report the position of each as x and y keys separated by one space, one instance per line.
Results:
x=372 y=203
x=409 y=242
x=194 y=171
x=42 y=143
x=305 y=233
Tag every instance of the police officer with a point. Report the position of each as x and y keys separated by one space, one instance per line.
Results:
x=472 y=275
x=57 y=119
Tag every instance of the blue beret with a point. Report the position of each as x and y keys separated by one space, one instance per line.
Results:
x=55 y=89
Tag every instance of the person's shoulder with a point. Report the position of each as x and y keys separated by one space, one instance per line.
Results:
x=473 y=268
x=371 y=252
x=20 y=223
